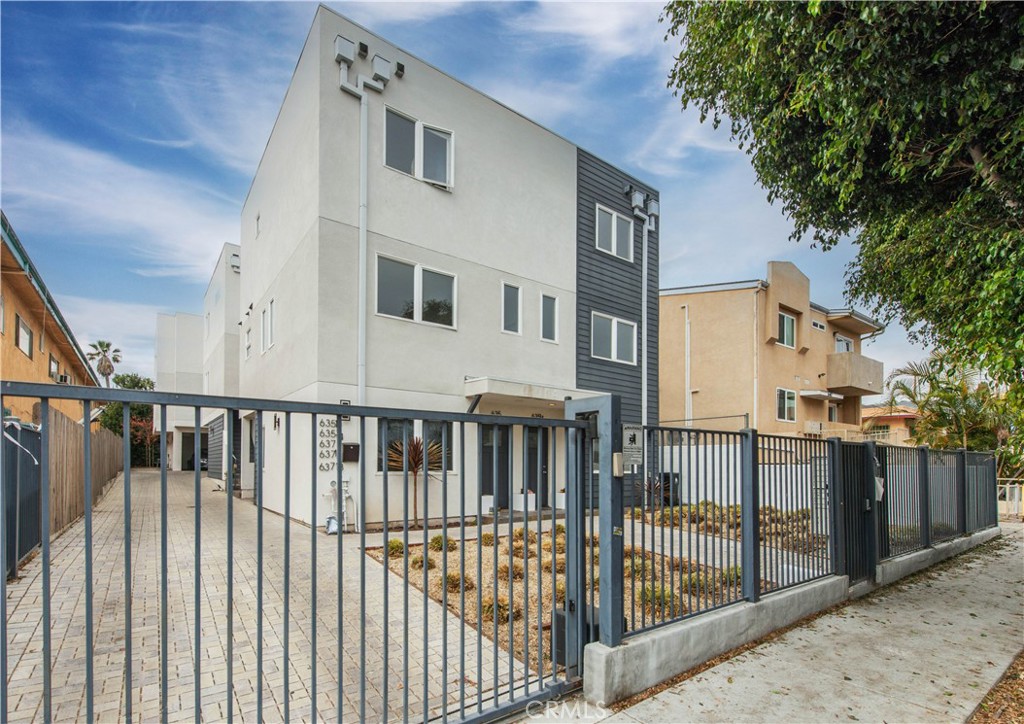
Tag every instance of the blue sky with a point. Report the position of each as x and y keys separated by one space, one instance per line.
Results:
x=131 y=131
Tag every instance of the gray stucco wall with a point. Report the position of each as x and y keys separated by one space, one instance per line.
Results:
x=612 y=286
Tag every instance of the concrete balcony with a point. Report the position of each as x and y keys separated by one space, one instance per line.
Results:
x=854 y=375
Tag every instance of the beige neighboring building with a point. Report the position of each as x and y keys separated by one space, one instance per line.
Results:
x=763 y=349
x=892 y=424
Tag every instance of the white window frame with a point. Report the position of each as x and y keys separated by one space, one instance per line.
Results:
x=615 y=338
x=19 y=325
x=552 y=297
x=271 y=307
x=518 y=331
x=54 y=369
x=848 y=343
x=417 y=162
x=417 y=296
x=781 y=338
x=615 y=230
x=820 y=326
x=790 y=394
x=833 y=412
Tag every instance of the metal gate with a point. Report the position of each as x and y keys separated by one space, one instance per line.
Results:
x=197 y=603
x=857 y=474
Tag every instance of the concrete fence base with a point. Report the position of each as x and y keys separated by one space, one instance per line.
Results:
x=647 y=659
x=651 y=657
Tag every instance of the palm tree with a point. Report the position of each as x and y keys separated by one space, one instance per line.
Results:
x=413 y=462
x=107 y=354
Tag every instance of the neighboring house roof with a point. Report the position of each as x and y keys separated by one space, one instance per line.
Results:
x=863 y=324
x=888 y=411
x=13 y=244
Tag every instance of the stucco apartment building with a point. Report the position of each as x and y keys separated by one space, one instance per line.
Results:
x=36 y=342
x=760 y=352
x=892 y=424
x=410 y=242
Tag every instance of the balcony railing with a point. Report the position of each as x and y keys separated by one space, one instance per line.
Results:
x=852 y=374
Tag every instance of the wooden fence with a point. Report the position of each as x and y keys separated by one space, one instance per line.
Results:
x=67 y=468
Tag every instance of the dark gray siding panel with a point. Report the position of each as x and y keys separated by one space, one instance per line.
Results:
x=215 y=448
x=612 y=286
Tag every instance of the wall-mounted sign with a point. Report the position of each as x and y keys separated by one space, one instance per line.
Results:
x=632 y=444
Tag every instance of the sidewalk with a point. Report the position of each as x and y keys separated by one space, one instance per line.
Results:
x=926 y=650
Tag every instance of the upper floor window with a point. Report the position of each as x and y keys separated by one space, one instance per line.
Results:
x=267 y=327
x=54 y=367
x=511 y=309
x=417 y=149
x=787 y=330
x=614 y=233
x=612 y=339
x=411 y=291
x=843 y=344
x=820 y=326
x=785 y=405
x=22 y=335
x=548 y=318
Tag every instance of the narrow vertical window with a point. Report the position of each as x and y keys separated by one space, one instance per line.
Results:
x=785 y=405
x=22 y=335
x=510 y=309
x=270 y=324
x=400 y=142
x=548 y=318
x=435 y=155
x=787 y=330
x=614 y=233
x=263 y=331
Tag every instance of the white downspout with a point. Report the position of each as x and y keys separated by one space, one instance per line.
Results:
x=359 y=91
x=644 y=412
x=757 y=349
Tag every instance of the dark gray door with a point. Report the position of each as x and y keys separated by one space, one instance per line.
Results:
x=537 y=451
x=491 y=485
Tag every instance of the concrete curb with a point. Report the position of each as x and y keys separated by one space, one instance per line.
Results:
x=647 y=659
x=893 y=569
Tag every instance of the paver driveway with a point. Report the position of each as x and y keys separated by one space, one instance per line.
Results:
x=426 y=621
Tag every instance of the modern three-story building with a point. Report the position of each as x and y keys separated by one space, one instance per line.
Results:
x=410 y=242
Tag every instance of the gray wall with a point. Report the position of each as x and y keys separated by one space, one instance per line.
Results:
x=215 y=448
x=612 y=286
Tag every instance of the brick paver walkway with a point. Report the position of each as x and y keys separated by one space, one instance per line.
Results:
x=425 y=624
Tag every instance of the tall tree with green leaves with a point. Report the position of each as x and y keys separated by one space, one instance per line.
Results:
x=106 y=355
x=899 y=124
x=140 y=419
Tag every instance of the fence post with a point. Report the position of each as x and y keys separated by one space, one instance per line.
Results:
x=750 y=519
x=994 y=509
x=925 y=496
x=610 y=513
x=961 y=491
x=870 y=469
x=837 y=506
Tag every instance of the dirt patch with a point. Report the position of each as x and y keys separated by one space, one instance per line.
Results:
x=1004 y=702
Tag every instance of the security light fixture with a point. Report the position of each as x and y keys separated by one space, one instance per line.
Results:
x=399 y=70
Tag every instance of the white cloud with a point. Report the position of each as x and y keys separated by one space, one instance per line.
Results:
x=129 y=326
x=545 y=102
x=382 y=12
x=169 y=225
x=676 y=134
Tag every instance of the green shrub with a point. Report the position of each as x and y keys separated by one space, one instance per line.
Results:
x=487 y=539
x=520 y=549
x=416 y=562
x=559 y=591
x=656 y=597
x=441 y=542
x=396 y=547
x=523 y=533
x=516 y=571
x=500 y=610
x=558 y=563
x=732 y=576
x=454 y=581
x=559 y=529
x=696 y=582
x=639 y=568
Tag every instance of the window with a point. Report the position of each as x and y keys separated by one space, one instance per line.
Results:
x=843 y=344
x=248 y=343
x=833 y=413
x=548 y=318
x=409 y=291
x=786 y=405
x=787 y=330
x=511 y=309
x=435 y=435
x=612 y=339
x=22 y=335
x=390 y=436
x=820 y=326
x=267 y=327
x=417 y=149
x=614 y=233
x=54 y=367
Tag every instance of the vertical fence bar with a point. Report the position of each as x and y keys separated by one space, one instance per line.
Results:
x=462 y=566
x=837 y=507
x=750 y=506
x=287 y=559
x=961 y=491
x=44 y=514
x=405 y=569
x=259 y=565
x=609 y=437
x=575 y=577
x=425 y=438
x=339 y=498
x=362 y=575
x=127 y=452
x=873 y=518
x=229 y=421
x=87 y=460
x=197 y=629
x=314 y=465
x=163 y=564
x=3 y=578
x=924 y=495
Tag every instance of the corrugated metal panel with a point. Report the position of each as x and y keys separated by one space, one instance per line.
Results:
x=613 y=286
